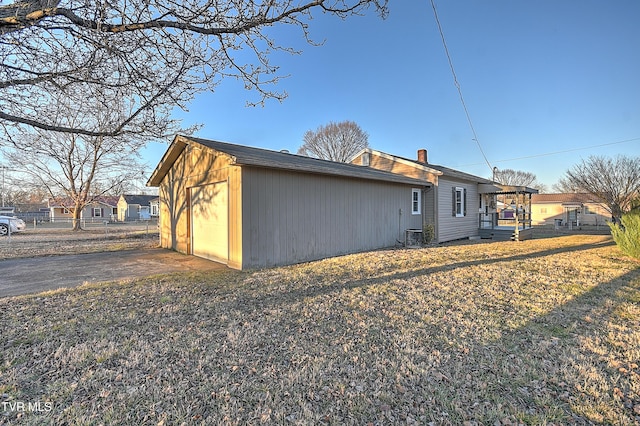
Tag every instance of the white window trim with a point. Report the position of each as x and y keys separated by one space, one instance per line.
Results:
x=415 y=211
x=97 y=212
x=460 y=213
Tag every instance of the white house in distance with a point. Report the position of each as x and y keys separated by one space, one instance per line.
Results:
x=135 y=207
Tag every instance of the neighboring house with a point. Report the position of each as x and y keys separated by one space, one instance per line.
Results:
x=100 y=209
x=458 y=205
x=250 y=207
x=155 y=207
x=568 y=209
x=135 y=207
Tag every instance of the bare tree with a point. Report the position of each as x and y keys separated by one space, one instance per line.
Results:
x=78 y=166
x=158 y=53
x=335 y=141
x=25 y=194
x=518 y=178
x=614 y=181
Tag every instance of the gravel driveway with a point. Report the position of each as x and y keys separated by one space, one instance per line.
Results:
x=34 y=275
x=48 y=259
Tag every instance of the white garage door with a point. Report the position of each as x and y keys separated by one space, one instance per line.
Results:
x=210 y=221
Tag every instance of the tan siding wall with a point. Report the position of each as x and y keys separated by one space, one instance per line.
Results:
x=197 y=166
x=293 y=217
x=546 y=213
x=387 y=165
x=122 y=209
x=449 y=226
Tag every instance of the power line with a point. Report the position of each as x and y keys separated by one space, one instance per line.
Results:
x=557 y=152
x=457 y=84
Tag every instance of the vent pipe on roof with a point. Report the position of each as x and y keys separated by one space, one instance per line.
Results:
x=422 y=156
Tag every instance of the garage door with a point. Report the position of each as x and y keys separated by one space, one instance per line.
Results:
x=210 y=221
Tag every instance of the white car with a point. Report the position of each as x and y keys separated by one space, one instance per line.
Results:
x=13 y=223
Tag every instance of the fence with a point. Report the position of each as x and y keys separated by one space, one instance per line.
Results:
x=38 y=220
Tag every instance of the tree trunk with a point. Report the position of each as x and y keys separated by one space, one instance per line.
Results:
x=77 y=211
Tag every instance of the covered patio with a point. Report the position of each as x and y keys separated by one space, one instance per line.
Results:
x=505 y=214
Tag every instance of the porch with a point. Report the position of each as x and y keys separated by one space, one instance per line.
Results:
x=506 y=214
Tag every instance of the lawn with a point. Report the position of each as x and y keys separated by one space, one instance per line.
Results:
x=545 y=331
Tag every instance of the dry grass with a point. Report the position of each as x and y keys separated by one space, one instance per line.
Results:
x=539 y=332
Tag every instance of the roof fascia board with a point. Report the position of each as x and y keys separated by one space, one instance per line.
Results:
x=168 y=159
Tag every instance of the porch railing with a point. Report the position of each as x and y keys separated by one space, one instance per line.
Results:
x=493 y=220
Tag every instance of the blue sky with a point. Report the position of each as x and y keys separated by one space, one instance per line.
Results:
x=546 y=84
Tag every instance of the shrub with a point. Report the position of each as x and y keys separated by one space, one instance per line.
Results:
x=428 y=233
x=627 y=235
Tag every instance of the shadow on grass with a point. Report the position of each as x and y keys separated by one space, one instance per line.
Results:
x=549 y=369
x=589 y=345
x=336 y=284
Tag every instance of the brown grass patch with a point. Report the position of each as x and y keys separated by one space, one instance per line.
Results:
x=539 y=332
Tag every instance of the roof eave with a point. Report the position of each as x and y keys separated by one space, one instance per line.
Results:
x=168 y=159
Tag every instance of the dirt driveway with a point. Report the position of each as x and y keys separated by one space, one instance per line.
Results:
x=37 y=274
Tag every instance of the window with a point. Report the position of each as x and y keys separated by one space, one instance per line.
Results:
x=543 y=210
x=587 y=210
x=458 y=201
x=97 y=212
x=415 y=201
x=154 y=210
x=65 y=211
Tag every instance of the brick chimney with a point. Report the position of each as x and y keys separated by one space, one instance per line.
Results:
x=422 y=156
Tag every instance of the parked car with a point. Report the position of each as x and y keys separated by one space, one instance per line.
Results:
x=11 y=223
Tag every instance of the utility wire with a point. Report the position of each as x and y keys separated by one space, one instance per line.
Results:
x=455 y=81
x=546 y=154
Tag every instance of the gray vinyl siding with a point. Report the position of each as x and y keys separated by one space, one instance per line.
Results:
x=429 y=212
x=293 y=217
x=449 y=226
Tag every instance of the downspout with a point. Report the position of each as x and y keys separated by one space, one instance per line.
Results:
x=400 y=239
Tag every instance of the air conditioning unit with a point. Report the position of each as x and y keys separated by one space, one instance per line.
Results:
x=413 y=238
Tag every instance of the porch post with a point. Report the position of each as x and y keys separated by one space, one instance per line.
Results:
x=516 y=233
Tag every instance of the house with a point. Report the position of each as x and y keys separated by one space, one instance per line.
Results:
x=99 y=209
x=135 y=207
x=569 y=209
x=155 y=207
x=250 y=208
x=459 y=205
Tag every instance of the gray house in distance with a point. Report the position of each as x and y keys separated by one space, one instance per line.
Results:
x=249 y=207
x=135 y=207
